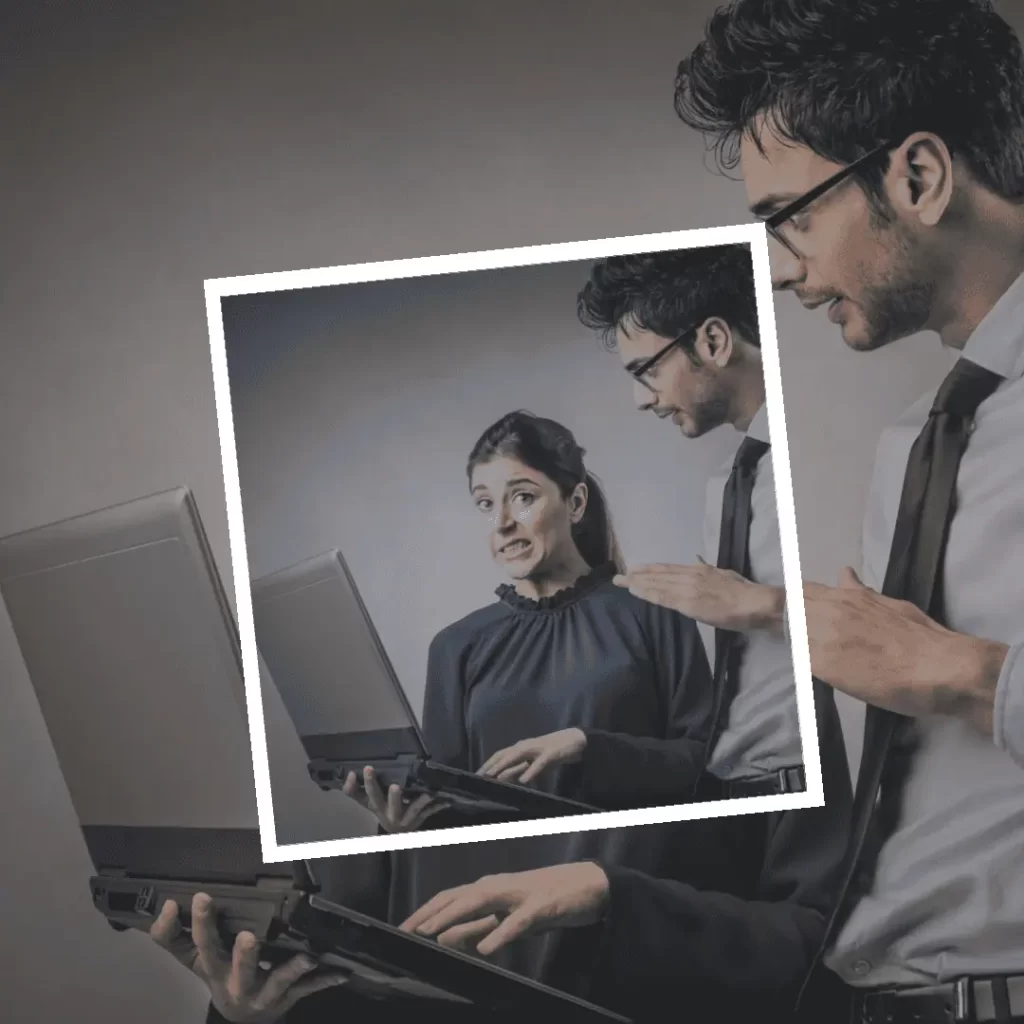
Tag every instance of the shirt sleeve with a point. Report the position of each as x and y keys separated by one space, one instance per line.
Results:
x=1008 y=717
x=444 y=715
x=666 y=942
x=444 y=722
x=619 y=770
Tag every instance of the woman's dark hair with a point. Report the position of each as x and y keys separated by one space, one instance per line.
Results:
x=550 y=448
x=843 y=77
x=670 y=293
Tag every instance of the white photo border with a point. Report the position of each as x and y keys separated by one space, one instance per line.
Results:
x=756 y=237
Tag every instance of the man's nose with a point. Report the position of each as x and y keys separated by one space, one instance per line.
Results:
x=643 y=396
x=787 y=268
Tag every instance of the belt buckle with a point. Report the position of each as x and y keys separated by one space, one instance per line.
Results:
x=963 y=1001
x=872 y=1007
x=877 y=1007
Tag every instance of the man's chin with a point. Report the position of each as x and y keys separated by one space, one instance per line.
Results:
x=694 y=428
x=861 y=336
x=689 y=428
x=860 y=341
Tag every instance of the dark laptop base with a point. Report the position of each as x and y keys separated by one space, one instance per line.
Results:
x=139 y=869
x=465 y=790
x=280 y=905
x=265 y=910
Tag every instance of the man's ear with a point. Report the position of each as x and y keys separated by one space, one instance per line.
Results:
x=919 y=182
x=715 y=344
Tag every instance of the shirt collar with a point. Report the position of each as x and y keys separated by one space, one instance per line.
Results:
x=997 y=343
x=758 y=428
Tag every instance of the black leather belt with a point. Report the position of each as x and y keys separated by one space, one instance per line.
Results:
x=999 y=1000
x=785 y=780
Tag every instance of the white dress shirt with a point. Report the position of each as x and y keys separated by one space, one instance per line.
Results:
x=948 y=896
x=762 y=731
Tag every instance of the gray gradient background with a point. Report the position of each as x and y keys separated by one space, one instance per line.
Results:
x=148 y=148
x=355 y=408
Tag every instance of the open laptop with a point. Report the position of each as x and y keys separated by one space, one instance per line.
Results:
x=350 y=711
x=133 y=652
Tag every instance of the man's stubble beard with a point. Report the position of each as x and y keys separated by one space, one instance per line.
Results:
x=900 y=304
x=712 y=408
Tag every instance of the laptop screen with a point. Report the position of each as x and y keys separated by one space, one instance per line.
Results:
x=325 y=658
x=129 y=646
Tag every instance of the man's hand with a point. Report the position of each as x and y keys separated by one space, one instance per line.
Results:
x=717 y=597
x=394 y=812
x=241 y=991
x=889 y=653
x=525 y=760
x=499 y=909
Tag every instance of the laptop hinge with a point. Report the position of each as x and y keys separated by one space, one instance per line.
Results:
x=385 y=758
x=304 y=877
x=270 y=883
x=275 y=884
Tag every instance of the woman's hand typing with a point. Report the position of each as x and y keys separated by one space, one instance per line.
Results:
x=526 y=760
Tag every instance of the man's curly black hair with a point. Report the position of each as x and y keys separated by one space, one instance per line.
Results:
x=671 y=293
x=845 y=76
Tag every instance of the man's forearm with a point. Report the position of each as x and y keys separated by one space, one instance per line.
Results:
x=968 y=689
x=770 y=611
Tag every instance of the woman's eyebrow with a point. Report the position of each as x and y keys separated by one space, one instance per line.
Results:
x=518 y=481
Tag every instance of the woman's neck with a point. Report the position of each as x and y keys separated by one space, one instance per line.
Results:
x=553 y=577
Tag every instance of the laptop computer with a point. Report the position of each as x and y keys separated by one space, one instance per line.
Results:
x=340 y=689
x=133 y=653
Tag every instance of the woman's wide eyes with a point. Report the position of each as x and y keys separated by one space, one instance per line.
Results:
x=520 y=497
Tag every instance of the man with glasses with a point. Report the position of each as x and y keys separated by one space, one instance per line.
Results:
x=883 y=143
x=685 y=327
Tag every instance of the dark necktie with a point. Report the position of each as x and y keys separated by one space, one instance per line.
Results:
x=734 y=553
x=914 y=573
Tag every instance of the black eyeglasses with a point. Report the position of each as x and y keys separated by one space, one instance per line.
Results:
x=640 y=371
x=779 y=221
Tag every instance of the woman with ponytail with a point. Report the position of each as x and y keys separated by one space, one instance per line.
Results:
x=566 y=682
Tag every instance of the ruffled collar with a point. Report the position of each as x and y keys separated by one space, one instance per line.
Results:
x=561 y=598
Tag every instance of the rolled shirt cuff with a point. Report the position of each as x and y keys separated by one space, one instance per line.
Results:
x=1008 y=714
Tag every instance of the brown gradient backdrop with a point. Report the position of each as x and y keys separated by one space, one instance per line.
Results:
x=148 y=147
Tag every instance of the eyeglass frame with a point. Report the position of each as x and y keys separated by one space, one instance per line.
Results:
x=638 y=372
x=775 y=221
x=772 y=225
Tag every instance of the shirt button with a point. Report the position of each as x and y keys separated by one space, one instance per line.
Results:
x=861 y=967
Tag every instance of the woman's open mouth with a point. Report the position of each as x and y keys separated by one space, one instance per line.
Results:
x=514 y=549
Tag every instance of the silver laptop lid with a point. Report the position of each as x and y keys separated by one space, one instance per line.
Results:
x=326 y=659
x=132 y=651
